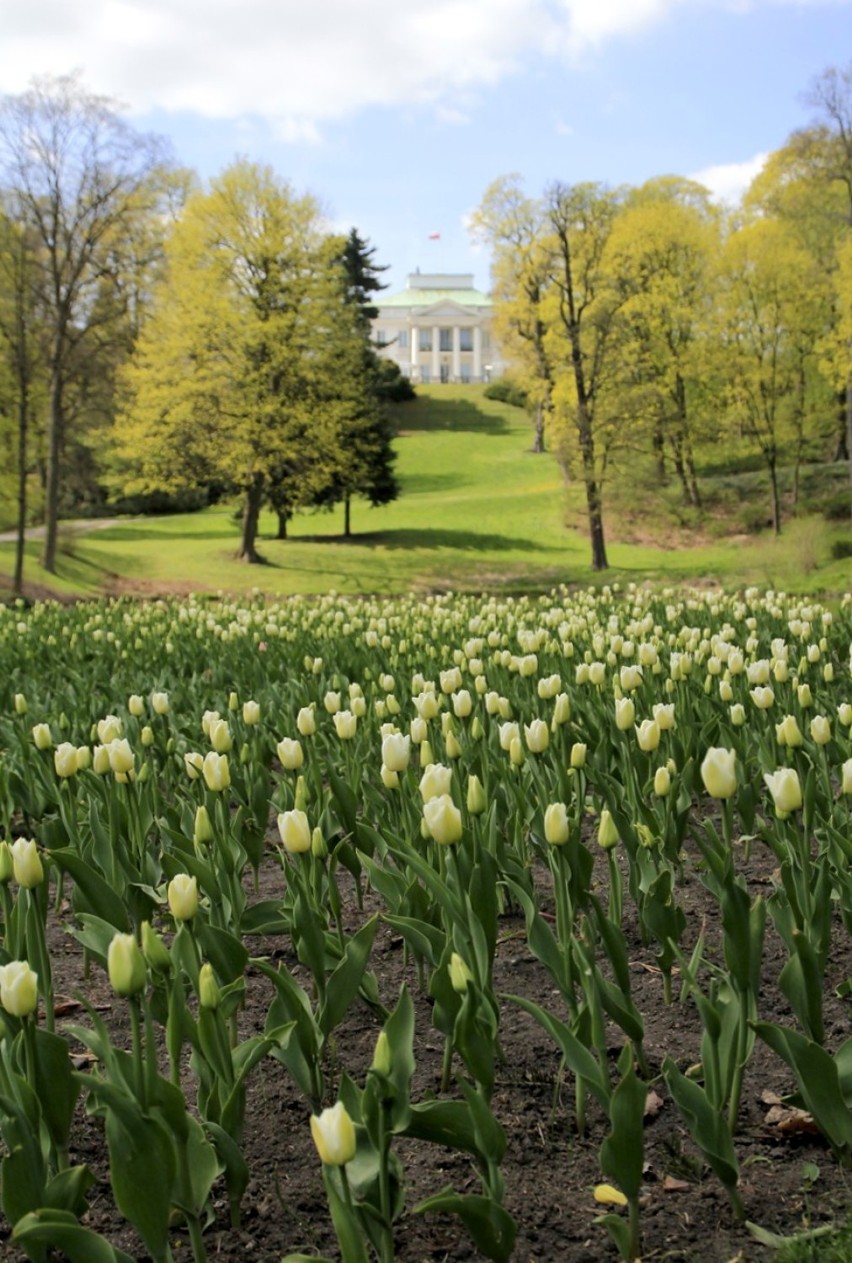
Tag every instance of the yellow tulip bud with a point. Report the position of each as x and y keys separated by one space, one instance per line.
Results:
x=556 y=828
x=662 y=782
x=41 y=737
x=251 y=713
x=306 y=723
x=125 y=965
x=460 y=975
x=209 y=995
x=18 y=988
x=182 y=895
x=295 y=831
x=334 y=1135
x=476 y=802
x=65 y=759
x=215 y=770
x=443 y=820
x=578 y=755
x=290 y=753
x=154 y=949
x=607 y=831
x=785 y=789
x=719 y=772
x=26 y=863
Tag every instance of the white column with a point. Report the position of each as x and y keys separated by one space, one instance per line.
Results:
x=477 y=353
x=456 y=353
x=413 y=335
x=436 y=354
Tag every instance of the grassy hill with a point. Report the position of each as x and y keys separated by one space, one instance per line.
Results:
x=478 y=510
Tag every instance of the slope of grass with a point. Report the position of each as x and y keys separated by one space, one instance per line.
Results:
x=478 y=510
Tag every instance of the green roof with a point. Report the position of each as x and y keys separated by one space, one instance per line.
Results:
x=429 y=297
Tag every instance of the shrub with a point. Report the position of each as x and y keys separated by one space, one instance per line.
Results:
x=506 y=391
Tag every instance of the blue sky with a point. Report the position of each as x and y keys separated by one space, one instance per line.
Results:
x=397 y=114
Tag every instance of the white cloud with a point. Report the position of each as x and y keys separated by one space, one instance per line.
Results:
x=729 y=180
x=299 y=65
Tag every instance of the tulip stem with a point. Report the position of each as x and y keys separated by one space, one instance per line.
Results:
x=447 y=1063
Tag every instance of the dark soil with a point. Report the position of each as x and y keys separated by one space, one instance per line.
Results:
x=550 y=1173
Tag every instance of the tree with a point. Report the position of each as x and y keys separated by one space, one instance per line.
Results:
x=767 y=307
x=363 y=453
x=79 y=175
x=581 y=312
x=18 y=341
x=521 y=270
x=659 y=255
x=230 y=381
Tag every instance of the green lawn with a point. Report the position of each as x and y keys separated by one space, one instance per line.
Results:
x=478 y=510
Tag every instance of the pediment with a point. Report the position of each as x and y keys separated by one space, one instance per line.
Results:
x=448 y=311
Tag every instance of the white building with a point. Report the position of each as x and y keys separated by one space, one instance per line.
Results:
x=438 y=329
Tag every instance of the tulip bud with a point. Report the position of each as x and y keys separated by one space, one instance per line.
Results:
x=662 y=782
x=65 y=759
x=203 y=831
x=719 y=772
x=295 y=831
x=390 y=778
x=382 y=1059
x=804 y=695
x=820 y=730
x=215 y=770
x=435 y=781
x=451 y=746
x=476 y=802
x=460 y=975
x=154 y=950
x=648 y=735
x=209 y=995
x=516 y=752
x=607 y=831
x=26 y=863
x=7 y=867
x=251 y=713
x=844 y=714
x=345 y=724
x=182 y=895
x=578 y=755
x=537 y=736
x=20 y=704
x=18 y=988
x=331 y=702
x=306 y=723
x=738 y=715
x=219 y=736
x=443 y=820
x=334 y=1135
x=136 y=705
x=290 y=753
x=160 y=703
x=125 y=965
x=556 y=827
x=396 y=751
x=319 y=847
x=846 y=777
x=785 y=789
x=300 y=797
x=625 y=713
x=427 y=758
x=788 y=733
x=41 y=736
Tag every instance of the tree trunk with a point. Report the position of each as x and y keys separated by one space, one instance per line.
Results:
x=347 y=517
x=843 y=450
x=51 y=491
x=594 y=506
x=692 y=477
x=776 y=500
x=538 y=440
x=251 y=517
x=676 y=441
x=659 y=445
x=21 y=531
x=283 y=519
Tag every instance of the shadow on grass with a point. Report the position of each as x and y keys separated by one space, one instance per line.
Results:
x=429 y=538
x=191 y=527
x=448 y=414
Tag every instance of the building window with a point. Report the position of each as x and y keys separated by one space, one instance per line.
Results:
x=446 y=340
x=465 y=339
x=382 y=337
x=424 y=374
x=465 y=372
x=424 y=339
x=402 y=339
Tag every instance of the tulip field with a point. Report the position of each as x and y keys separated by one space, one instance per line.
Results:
x=425 y=929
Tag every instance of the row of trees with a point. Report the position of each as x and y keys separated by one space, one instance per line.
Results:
x=647 y=316
x=155 y=336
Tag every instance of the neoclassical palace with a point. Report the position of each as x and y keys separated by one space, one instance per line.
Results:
x=438 y=329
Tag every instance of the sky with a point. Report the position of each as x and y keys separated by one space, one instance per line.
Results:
x=396 y=115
